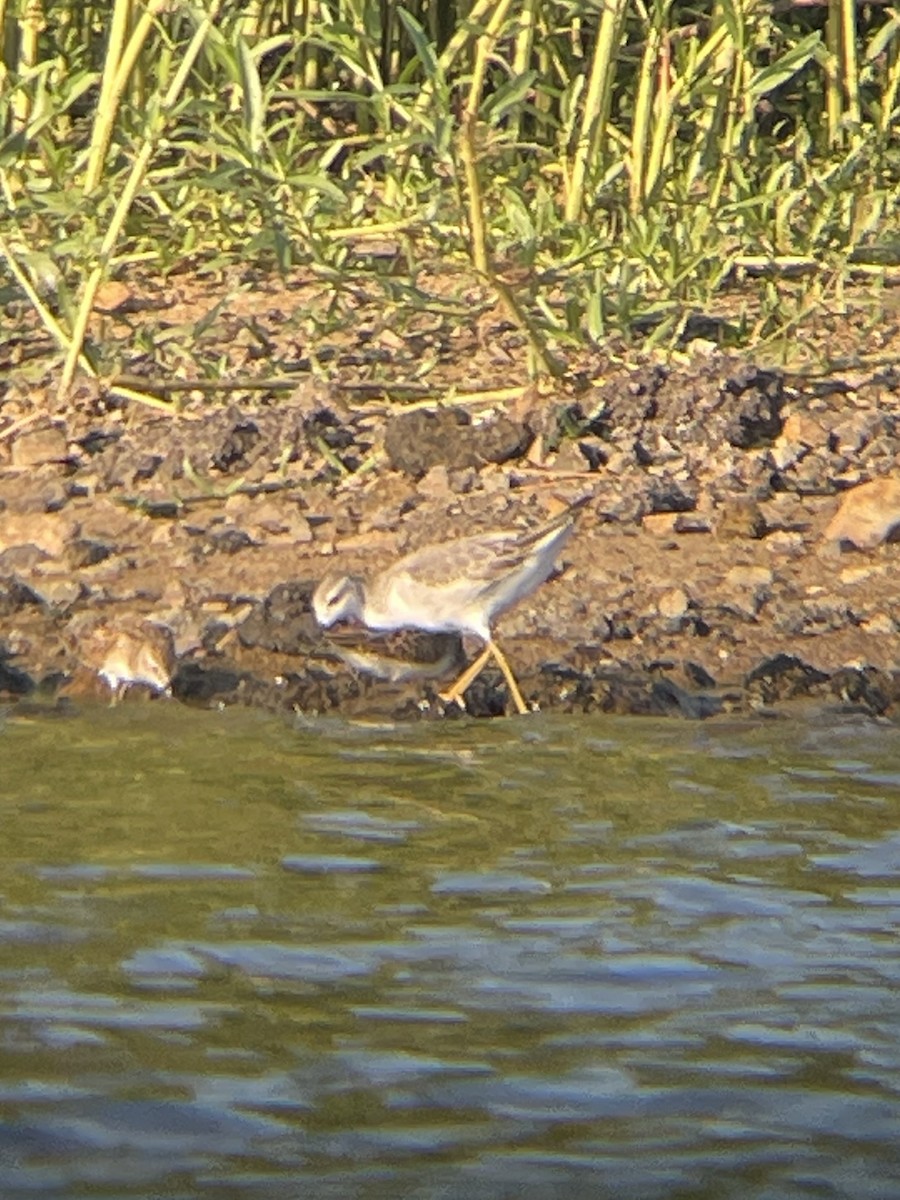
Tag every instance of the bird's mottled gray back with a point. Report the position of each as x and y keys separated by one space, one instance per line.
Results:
x=470 y=558
x=457 y=585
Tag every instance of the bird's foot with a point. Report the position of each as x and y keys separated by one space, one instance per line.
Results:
x=452 y=697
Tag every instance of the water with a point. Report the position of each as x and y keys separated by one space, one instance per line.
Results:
x=529 y=958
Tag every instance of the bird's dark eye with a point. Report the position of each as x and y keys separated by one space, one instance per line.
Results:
x=337 y=595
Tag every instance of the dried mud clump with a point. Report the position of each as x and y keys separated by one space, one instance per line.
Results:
x=416 y=442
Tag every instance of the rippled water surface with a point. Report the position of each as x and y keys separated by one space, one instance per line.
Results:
x=527 y=958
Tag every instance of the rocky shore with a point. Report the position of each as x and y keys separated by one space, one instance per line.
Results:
x=735 y=553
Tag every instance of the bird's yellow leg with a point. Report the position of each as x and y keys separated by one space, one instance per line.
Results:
x=504 y=666
x=471 y=673
x=468 y=677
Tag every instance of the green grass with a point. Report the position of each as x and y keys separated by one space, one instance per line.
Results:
x=607 y=169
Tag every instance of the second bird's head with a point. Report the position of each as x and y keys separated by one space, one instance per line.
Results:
x=338 y=598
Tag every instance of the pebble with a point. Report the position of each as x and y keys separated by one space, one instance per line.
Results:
x=662 y=524
x=866 y=515
x=59 y=593
x=435 y=483
x=673 y=604
x=39 y=446
x=47 y=532
x=750 y=587
x=880 y=623
x=786 y=541
x=740 y=517
x=804 y=430
x=852 y=575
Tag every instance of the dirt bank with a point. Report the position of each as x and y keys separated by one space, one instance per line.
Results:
x=702 y=577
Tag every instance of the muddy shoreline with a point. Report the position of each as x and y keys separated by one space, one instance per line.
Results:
x=709 y=572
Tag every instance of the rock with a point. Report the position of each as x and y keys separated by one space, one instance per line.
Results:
x=740 y=517
x=464 y=481
x=16 y=594
x=842 y=480
x=783 y=677
x=113 y=296
x=229 y=541
x=665 y=495
x=824 y=611
x=284 y=622
x=818 y=474
x=48 y=532
x=594 y=453
x=786 y=511
x=867 y=515
x=664 y=451
x=268 y=517
x=804 y=430
x=501 y=440
x=435 y=483
x=202 y=683
x=86 y=552
x=619 y=462
x=856 y=431
x=698 y=675
x=601 y=629
x=37 y=446
x=691 y=523
x=748 y=577
x=881 y=624
x=97 y=440
x=785 y=454
x=786 y=542
x=13 y=681
x=242 y=509
x=854 y=575
x=668 y=697
x=866 y=688
x=145 y=467
x=238 y=443
x=673 y=604
x=750 y=587
x=54 y=496
x=756 y=420
x=58 y=592
x=569 y=458
x=21 y=559
x=660 y=524
x=161 y=510
x=325 y=430
x=300 y=529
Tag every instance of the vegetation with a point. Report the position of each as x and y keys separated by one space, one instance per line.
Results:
x=603 y=167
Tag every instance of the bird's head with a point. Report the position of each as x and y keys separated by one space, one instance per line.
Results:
x=338 y=598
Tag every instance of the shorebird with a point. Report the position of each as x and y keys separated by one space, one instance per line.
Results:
x=397 y=656
x=124 y=651
x=459 y=586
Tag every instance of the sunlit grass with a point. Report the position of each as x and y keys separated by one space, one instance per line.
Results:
x=598 y=166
